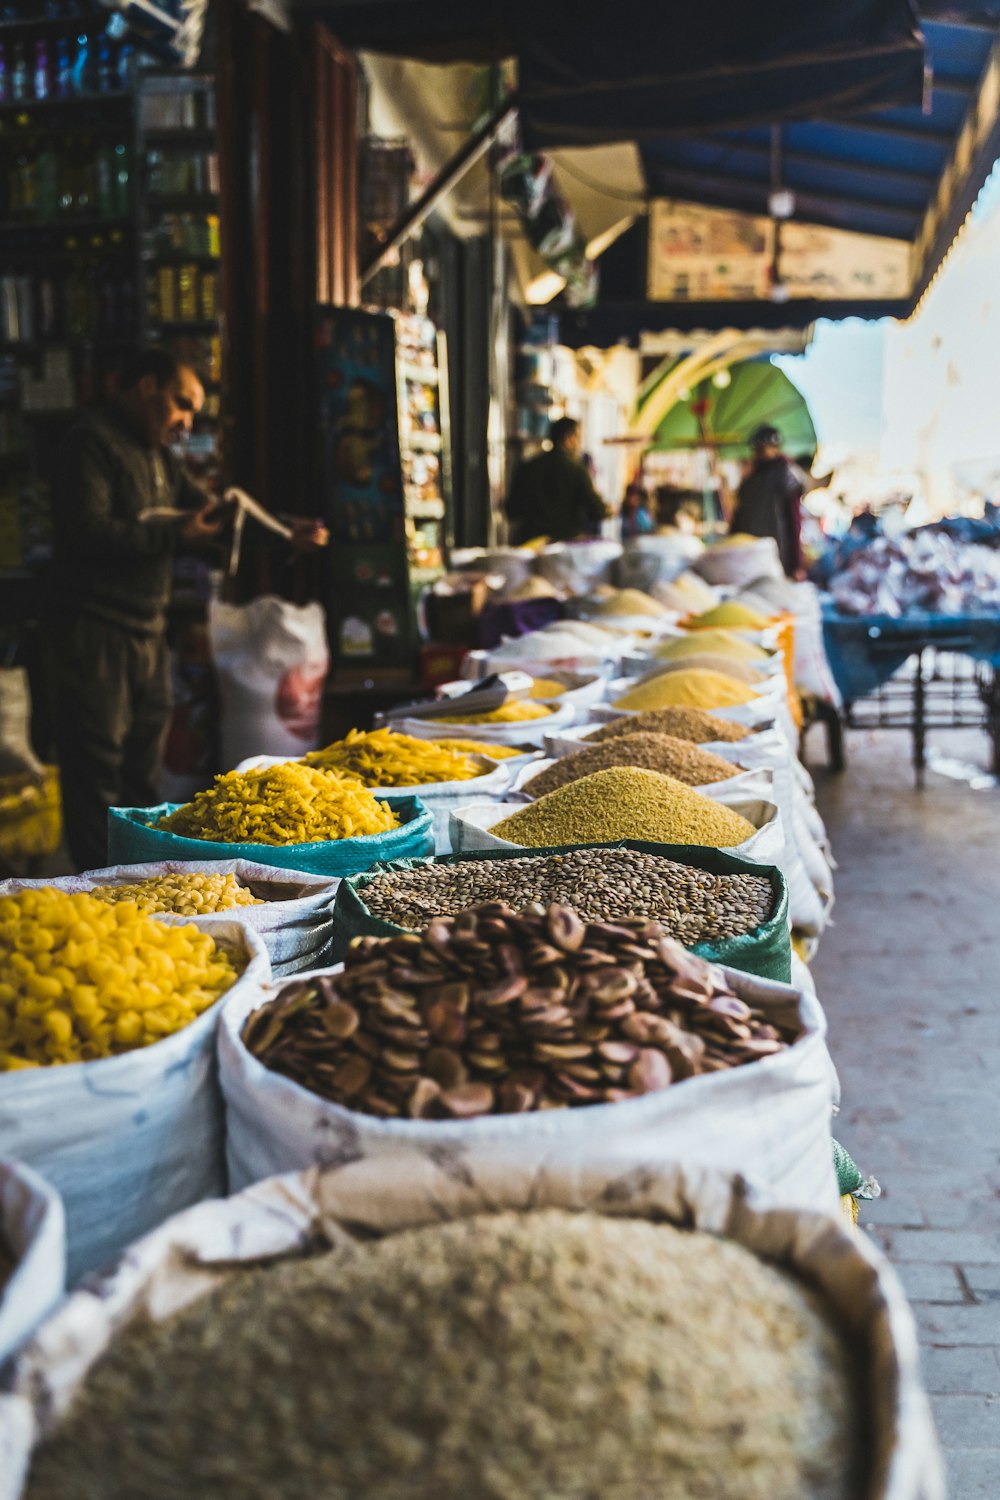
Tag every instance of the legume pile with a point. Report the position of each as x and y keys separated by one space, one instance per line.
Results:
x=721 y=642
x=286 y=804
x=498 y=1012
x=687 y=689
x=381 y=757
x=509 y=1356
x=624 y=802
x=685 y=723
x=651 y=752
x=82 y=979
x=603 y=885
x=729 y=616
x=186 y=895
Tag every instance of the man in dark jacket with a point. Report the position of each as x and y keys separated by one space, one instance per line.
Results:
x=111 y=576
x=769 y=501
x=552 y=494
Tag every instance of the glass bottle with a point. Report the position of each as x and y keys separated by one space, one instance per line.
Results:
x=19 y=74
x=81 y=70
x=64 y=72
x=41 y=69
x=107 y=73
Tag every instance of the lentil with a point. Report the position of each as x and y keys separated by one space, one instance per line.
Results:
x=499 y=1012
x=684 y=723
x=189 y=895
x=624 y=803
x=511 y=712
x=286 y=804
x=381 y=757
x=82 y=979
x=687 y=689
x=631 y=602
x=732 y=615
x=603 y=885
x=721 y=642
x=710 y=661
x=651 y=752
x=543 y=1355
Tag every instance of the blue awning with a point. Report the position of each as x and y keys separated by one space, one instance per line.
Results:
x=897 y=172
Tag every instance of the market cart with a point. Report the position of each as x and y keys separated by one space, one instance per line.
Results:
x=918 y=672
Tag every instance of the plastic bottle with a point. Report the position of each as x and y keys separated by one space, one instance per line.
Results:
x=19 y=75
x=82 y=67
x=41 y=69
x=107 y=73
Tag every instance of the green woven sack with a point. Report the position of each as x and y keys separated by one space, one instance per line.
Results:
x=766 y=952
x=133 y=839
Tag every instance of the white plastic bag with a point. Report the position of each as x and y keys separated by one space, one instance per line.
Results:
x=33 y=1228
x=272 y=659
x=288 y=1216
x=769 y=1120
x=471 y=829
x=294 y=917
x=128 y=1140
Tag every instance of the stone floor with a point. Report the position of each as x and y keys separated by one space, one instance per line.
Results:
x=910 y=978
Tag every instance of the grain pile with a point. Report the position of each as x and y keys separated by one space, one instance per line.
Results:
x=381 y=757
x=650 y=752
x=546 y=687
x=624 y=803
x=729 y=616
x=711 y=661
x=603 y=885
x=286 y=804
x=720 y=642
x=480 y=747
x=631 y=602
x=690 y=688
x=188 y=895
x=509 y=1356
x=685 y=723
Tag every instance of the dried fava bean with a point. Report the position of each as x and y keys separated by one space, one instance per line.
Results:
x=694 y=905
x=286 y=804
x=624 y=803
x=513 y=1012
x=586 y=1355
x=188 y=895
x=650 y=752
x=693 y=724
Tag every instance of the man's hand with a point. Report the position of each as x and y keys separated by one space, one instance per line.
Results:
x=203 y=525
x=308 y=535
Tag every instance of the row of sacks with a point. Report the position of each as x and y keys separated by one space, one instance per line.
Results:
x=129 y=1139
x=881 y=1444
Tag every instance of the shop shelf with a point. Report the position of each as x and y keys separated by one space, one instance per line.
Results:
x=119 y=97
x=423 y=374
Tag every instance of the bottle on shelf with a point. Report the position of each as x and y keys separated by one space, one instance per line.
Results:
x=19 y=82
x=82 y=69
x=187 y=293
x=41 y=69
x=126 y=65
x=47 y=167
x=107 y=73
x=105 y=180
x=122 y=181
x=63 y=69
x=4 y=76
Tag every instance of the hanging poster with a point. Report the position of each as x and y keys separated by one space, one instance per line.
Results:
x=707 y=254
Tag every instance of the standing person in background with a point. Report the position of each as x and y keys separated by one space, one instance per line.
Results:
x=111 y=577
x=552 y=494
x=635 y=515
x=769 y=500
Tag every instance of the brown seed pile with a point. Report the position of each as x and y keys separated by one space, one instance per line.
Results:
x=624 y=802
x=651 y=752
x=510 y=1356
x=693 y=724
x=498 y=1012
x=602 y=885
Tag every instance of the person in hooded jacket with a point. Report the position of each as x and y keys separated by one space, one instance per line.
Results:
x=769 y=500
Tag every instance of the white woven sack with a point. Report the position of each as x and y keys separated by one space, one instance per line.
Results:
x=813 y=859
x=294 y=917
x=471 y=825
x=739 y=567
x=290 y=1216
x=773 y=1125
x=129 y=1140
x=768 y=707
x=33 y=1228
x=577 y=566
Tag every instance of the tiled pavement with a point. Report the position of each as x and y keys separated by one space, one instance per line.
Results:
x=910 y=978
